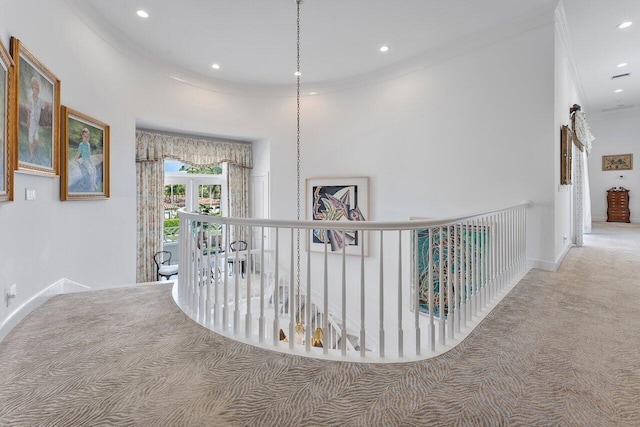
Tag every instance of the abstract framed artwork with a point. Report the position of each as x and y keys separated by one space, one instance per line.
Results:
x=36 y=103
x=85 y=157
x=457 y=248
x=617 y=162
x=338 y=199
x=6 y=162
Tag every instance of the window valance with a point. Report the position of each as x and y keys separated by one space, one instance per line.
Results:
x=154 y=146
x=582 y=132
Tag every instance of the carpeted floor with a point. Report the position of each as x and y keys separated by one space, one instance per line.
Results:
x=561 y=349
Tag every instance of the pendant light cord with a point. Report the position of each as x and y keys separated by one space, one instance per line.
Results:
x=299 y=327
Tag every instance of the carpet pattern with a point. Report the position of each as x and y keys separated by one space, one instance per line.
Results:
x=562 y=349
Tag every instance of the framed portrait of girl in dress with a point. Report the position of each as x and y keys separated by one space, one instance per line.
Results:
x=36 y=102
x=6 y=162
x=84 y=171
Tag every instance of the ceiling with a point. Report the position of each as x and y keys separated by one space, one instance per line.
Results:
x=254 y=42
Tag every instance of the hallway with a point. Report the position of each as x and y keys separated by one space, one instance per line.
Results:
x=560 y=349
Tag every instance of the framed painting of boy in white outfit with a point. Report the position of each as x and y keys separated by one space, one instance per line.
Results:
x=37 y=106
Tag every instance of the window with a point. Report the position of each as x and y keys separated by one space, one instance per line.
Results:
x=198 y=189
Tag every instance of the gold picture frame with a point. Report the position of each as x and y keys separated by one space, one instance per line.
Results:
x=6 y=133
x=617 y=162
x=36 y=107
x=566 y=155
x=84 y=157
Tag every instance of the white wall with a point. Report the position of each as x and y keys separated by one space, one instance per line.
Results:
x=471 y=132
x=93 y=242
x=619 y=135
x=566 y=95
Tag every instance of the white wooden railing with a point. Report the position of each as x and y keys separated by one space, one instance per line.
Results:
x=386 y=305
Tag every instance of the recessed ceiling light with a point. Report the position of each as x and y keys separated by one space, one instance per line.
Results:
x=297 y=74
x=384 y=48
x=622 y=64
x=142 y=14
x=313 y=93
x=625 y=24
x=618 y=90
x=215 y=66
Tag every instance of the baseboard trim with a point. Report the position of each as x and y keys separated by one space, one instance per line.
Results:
x=62 y=286
x=549 y=265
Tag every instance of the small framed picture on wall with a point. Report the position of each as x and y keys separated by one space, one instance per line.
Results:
x=617 y=162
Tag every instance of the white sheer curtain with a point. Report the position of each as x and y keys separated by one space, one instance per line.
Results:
x=586 y=199
x=582 y=211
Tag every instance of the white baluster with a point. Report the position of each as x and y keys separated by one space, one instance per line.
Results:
x=432 y=327
x=292 y=297
x=441 y=286
x=343 y=332
x=276 y=293
x=381 y=298
x=261 y=325
x=325 y=314
x=249 y=266
x=400 y=309
x=236 y=286
x=416 y=289
x=307 y=306
x=457 y=288
x=450 y=296
x=363 y=333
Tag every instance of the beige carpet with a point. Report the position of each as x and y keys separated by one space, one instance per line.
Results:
x=562 y=349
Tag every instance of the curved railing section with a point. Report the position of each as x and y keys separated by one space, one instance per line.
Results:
x=361 y=290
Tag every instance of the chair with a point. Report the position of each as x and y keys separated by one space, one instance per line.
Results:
x=164 y=267
x=237 y=246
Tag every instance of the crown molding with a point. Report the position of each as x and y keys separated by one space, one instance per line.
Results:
x=538 y=18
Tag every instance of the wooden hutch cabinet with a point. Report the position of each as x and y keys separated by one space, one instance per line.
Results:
x=618 y=205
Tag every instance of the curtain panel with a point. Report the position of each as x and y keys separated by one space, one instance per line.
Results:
x=151 y=150
x=582 y=211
